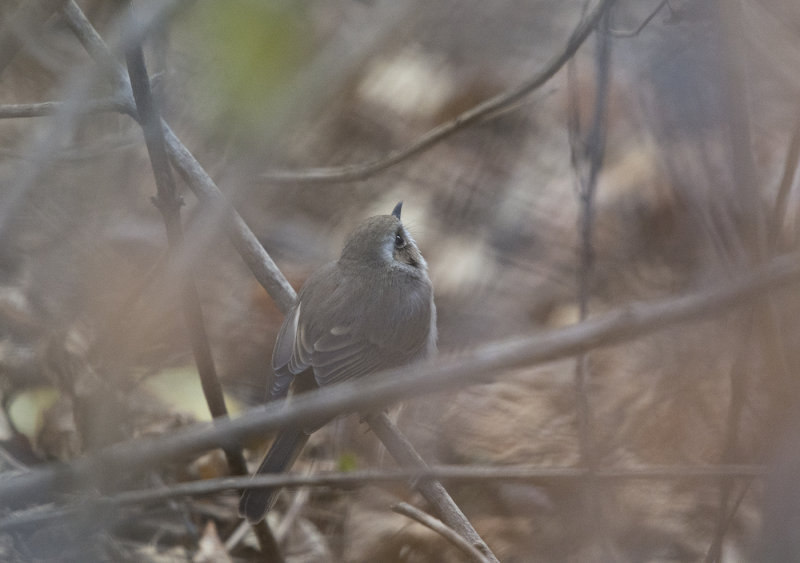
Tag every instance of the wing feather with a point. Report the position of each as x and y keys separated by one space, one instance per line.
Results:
x=364 y=338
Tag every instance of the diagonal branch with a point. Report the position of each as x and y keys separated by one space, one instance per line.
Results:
x=247 y=245
x=478 y=366
x=482 y=111
x=243 y=239
x=433 y=491
x=169 y=203
x=440 y=528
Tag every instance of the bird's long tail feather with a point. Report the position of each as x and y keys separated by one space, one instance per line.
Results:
x=255 y=503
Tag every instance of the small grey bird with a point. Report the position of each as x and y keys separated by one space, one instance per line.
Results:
x=370 y=310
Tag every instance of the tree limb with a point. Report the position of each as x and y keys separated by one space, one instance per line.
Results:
x=243 y=239
x=473 y=115
x=169 y=203
x=13 y=111
x=449 y=473
x=434 y=492
x=481 y=365
x=440 y=528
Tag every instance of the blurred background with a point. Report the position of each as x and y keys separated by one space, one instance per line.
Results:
x=690 y=107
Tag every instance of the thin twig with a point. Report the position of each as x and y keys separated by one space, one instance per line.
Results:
x=482 y=364
x=492 y=106
x=439 y=527
x=449 y=473
x=85 y=32
x=131 y=29
x=434 y=492
x=595 y=152
x=290 y=516
x=98 y=148
x=169 y=203
x=247 y=245
x=622 y=34
x=14 y=111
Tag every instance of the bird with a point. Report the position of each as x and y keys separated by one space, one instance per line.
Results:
x=368 y=311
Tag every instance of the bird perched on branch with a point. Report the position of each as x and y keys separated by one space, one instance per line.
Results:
x=369 y=311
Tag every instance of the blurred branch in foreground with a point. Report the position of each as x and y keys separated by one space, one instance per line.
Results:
x=449 y=473
x=243 y=239
x=14 y=111
x=481 y=365
x=169 y=203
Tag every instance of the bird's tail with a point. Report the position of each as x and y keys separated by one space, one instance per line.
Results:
x=255 y=503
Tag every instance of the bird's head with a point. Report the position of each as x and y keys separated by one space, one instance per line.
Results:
x=383 y=241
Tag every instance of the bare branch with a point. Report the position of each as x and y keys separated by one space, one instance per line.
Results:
x=595 y=153
x=97 y=148
x=449 y=473
x=482 y=111
x=437 y=526
x=247 y=245
x=404 y=453
x=94 y=45
x=132 y=29
x=14 y=111
x=482 y=364
x=169 y=204
x=243 y=239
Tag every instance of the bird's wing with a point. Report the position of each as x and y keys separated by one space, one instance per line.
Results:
x=335 y=356
x=338 y=355
x=363 y=341
x=284 y=363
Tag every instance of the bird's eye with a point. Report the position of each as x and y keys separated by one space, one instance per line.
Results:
x=399 y=240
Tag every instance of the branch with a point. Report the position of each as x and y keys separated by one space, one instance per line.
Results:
x=434 y=492
x=247 y=245
x=449 y=473
x=169 y=204
x=13 y=111
x=595 y=153
x=481 y=365
x=243 y=239
x=483 y=110
x=437 y=526
x=130 y=30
